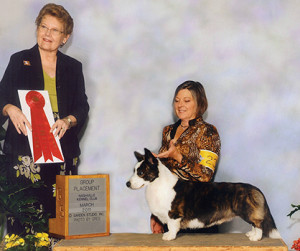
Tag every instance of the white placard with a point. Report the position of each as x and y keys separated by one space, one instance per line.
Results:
x=47 y=118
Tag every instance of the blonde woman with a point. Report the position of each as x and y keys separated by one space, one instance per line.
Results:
x=44 y=67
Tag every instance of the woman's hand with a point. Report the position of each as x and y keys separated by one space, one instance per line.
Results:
x=156 y=226
x=60 y=127
x=172 y=152
x=18 y=118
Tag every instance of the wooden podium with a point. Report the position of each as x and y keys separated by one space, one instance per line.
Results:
x=82 y=206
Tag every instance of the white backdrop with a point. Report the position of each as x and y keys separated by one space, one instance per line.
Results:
x=136 y=52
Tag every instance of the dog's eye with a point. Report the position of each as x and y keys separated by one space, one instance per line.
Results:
x=140 y=172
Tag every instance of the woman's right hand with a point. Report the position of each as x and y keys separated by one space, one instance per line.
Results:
x=172 y=152
x=17 y=117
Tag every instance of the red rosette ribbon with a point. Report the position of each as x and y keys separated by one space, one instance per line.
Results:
x=43 y=141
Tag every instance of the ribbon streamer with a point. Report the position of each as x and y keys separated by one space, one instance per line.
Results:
x=43 y=141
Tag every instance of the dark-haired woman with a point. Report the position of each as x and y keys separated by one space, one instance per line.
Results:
x=190 y=147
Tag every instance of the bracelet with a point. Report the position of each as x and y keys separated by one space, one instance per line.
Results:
x=70 y=121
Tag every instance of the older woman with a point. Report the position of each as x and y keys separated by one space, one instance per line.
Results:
x=190 y=147
x=44 y=67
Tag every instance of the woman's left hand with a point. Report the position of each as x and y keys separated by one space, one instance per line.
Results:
x=60 y=127
x=172 y=152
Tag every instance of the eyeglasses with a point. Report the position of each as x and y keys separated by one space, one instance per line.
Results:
x=53 y=31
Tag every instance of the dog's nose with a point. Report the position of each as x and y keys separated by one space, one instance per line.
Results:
x=128 y=184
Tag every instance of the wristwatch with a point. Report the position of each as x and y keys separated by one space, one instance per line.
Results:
x=70 y=121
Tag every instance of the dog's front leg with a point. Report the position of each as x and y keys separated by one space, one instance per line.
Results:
x=174 y=227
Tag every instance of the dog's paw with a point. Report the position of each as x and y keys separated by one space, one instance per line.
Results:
x=168 y=236
x=250 y=233
x=255 y=238
x=255 y=234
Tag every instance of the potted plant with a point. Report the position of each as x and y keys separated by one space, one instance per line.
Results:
x=18 y=205
x=296 y=244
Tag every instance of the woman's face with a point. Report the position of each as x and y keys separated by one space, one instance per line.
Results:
x=50 y=34
x=185 y=105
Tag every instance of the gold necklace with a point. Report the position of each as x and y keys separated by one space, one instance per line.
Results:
x=184 y=126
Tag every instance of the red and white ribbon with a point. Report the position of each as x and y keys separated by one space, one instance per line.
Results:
x=43 y=141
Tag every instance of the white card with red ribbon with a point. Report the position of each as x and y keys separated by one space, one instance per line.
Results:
x=36 y=106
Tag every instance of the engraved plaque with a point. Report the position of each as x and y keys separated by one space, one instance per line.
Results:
x=87 y=206
x=82 y=206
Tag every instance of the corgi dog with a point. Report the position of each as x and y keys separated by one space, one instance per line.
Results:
x=185 y=204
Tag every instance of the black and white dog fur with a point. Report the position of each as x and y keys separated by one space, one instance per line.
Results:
x=183 y=204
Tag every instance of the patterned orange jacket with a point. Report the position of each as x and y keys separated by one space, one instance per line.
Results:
x=200 y=147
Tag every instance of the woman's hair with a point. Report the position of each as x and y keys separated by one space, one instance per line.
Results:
x=198 y=93
x=60 y=13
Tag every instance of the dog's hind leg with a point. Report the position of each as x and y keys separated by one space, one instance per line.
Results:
x=254 y=204
x=274 y=234
x=269 y=227
x=174 y=227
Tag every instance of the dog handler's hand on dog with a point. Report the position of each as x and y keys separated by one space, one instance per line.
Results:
x=172 y=152
x=17 y=117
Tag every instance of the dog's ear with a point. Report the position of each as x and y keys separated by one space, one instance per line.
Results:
x=139 y=156
x=150 y=157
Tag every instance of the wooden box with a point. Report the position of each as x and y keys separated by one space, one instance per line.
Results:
x=82 y=206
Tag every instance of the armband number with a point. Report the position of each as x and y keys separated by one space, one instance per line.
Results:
x=208 y=159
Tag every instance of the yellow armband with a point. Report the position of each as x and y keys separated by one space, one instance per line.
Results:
x=208 y=159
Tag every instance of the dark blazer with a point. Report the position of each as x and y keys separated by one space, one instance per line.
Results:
x=24 y=72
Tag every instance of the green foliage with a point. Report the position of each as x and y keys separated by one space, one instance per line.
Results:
x=18 y=203
x=296 y=208
x=2 y=164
